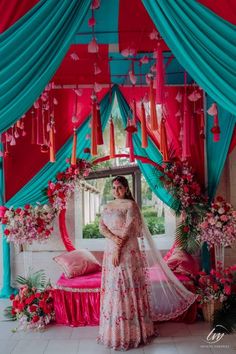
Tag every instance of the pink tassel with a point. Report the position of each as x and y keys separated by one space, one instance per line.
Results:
x=216 y=128
x=160 y=76
x=186 y=129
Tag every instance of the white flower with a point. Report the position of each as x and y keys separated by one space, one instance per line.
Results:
x=221 y=210
x=219 y=224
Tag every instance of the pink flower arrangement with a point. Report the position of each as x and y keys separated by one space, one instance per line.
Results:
x=28 y=224
x=35 y=223
x=219 y=224
x=215 y=286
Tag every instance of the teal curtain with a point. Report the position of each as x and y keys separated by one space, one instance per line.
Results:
x=202 y=42
x=31 y=51
x=217 y=151
x=6 y=290
x=33 y=191
x=150 y=173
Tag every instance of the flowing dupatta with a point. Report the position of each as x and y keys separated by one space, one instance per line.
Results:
x=167 y=295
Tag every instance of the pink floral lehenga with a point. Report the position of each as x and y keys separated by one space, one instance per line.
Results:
x=126 y=317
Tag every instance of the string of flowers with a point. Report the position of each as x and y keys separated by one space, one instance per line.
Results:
x=179 y=179
x=219 y=224
x=35 y=223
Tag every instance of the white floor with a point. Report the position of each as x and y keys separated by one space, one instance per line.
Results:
x=175 y=338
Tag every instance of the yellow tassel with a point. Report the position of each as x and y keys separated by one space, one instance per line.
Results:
x=73 y=155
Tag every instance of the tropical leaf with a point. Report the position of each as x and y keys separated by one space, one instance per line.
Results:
x=8 y=314
x=34 y=280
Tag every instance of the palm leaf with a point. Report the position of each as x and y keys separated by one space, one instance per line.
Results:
x=34 y=280
x=8 y=314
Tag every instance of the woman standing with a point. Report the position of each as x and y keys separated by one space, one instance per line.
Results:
x=128 y=301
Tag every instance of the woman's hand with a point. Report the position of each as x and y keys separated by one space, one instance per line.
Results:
x=118 y=241
x=116 y=258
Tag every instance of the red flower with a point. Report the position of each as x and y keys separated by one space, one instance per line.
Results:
x=37 y=295
x=30 y=299
x=61 y=195
x=60 y=176
x=219 y=199
x=33 y=308
x=12 y=297
x=58 y=186
x=87 y=150
x=42 y=304
x=40 y=230
x=27 y=206
x=49 y=192
x=6 y=232
x=186 y=229
x=18 y=210
x=186 y=189
x=35 y=318
x=13 y=312
x=47 y=233
x=4 y=221
x=21 y=306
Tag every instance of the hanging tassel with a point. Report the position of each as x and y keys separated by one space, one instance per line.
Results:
x=33 y=140
x=153 y=113
x=160 y=76
x=99 y=131
x=94 y=125
x=112 y=139
x=144 y=127
x=130 y=130
x=52 y=141
x=163 y=141
x=135 y=118
x=213 y=111
x=186 y=129
x=73 y=155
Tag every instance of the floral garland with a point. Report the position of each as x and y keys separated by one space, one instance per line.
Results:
x=180 y=181
x=219 y=224
x=35 y=223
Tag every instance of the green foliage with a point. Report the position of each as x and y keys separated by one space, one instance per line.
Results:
x=155 y=225
x=92 y=230
x=34 y=280
x=8 y=314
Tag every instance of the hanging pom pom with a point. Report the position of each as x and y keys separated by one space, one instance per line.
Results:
x=99 y=131
x=128 y=52
x=144 y=127
x=160 y=76
x=93 y=46
x=55 y=101
x=16 y=134
x=13 y=141
x=92 y=21
x=213 y=111
x=202 y=125
x=163 y=141
x=153 y=113
x=52 y=141
x=74 y=145
x=94 y=124
x=154 y=35
x=112 y=139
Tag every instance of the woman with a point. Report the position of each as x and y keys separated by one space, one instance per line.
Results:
x=137 y=286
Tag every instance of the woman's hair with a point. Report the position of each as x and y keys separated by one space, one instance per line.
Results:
x=124 y=182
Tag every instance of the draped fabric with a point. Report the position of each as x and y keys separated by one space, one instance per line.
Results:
x=202 y=42
x=150 y=173
x=32 y=50
x=33 y=191
x=217 y=151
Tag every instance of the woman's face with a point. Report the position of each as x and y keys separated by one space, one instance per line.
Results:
x=118 y=190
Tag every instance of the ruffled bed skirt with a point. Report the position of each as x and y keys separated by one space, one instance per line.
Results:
x=77 y=301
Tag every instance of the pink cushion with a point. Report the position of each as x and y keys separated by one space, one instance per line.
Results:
x=182 y=262
x=78 y=262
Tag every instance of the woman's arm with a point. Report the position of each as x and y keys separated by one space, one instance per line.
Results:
x=107 y=233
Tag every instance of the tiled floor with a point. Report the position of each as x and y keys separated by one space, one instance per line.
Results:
x=175 y=338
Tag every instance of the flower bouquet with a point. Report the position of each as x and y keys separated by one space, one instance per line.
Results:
x=219 y=224
x=214 y=288
x=33 y=305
